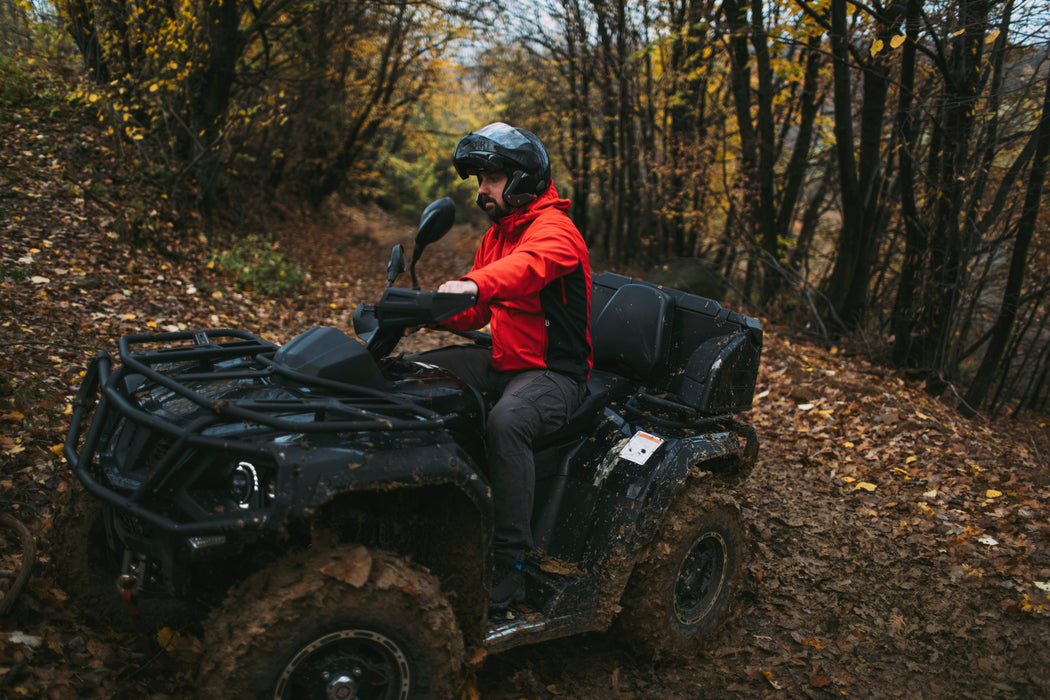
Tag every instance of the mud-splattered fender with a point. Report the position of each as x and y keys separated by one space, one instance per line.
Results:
x=311 y=477
x=637 y=493
x=665 y=465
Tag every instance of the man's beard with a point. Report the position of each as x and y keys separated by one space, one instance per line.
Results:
x=495 y=212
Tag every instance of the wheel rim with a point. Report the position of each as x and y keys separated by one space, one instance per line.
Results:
x=701 y=578
x=354 y=664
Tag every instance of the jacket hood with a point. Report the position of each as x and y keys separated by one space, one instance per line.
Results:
x=518 y=220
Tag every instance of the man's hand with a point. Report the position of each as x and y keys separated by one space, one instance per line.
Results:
x=459 y=287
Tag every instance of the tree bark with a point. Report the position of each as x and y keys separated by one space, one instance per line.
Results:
x=1003 y=325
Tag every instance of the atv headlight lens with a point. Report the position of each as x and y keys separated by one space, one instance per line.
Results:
x=244 y=484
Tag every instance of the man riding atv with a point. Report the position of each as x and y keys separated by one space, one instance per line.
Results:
x=324 y=515
x=532 y=280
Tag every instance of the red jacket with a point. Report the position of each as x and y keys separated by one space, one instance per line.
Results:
x=534 y=290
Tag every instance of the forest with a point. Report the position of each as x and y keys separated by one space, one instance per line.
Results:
x=869 y=180
x=869 y=173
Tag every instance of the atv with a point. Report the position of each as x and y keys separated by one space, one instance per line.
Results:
x=322 y=511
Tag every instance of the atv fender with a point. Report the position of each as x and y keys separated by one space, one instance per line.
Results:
x=636 y=496
x=335 y=470
x=432 y=505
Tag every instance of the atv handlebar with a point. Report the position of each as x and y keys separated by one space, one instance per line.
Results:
x=410 y=307
x=382 y=325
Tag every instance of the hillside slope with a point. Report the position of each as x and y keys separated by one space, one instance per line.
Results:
x=898 y=550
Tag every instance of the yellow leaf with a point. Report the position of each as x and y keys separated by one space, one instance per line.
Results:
x=896 y=41
x=167 y=637
x=991 y=37
x=911 y=459
x=992 y=493
x=958 y=33
x=151 y=324
x=56 y=450
x=876 y=47
x=848 y=479
x=866 y=486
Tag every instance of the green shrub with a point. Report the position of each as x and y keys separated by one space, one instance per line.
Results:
x=256 y=264
x=16 y=85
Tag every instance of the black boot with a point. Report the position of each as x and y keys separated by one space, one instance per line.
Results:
x=508 y=586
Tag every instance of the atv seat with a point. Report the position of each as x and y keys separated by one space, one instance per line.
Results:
x=602 y=387
x=630 y=334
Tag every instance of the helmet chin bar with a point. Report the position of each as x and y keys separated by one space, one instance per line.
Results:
x=511 y=196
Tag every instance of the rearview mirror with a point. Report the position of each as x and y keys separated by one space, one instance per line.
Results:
x=436 y=221
x=398 y=263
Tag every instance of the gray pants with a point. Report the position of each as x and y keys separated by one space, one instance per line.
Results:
x=527 y=405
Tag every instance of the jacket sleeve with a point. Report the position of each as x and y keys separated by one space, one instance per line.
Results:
x=476 y=316
x=548 y=249
x=473 y=318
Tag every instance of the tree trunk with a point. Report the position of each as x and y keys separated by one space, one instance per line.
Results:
x=914 y=237
x=1003 y=325
x=851 y=233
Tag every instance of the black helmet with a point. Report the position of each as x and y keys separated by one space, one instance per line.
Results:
x=506 y=149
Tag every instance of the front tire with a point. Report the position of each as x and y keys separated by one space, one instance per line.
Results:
x=681 y=591
x=345 y=622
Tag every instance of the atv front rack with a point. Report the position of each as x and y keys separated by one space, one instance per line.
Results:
x=227 y=355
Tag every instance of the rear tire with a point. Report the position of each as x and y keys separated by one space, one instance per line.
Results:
x=682 y=589
x=340 y=620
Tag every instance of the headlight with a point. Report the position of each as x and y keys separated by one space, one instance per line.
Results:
x=244 y=484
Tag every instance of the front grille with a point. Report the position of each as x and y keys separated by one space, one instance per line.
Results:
x=133 y=453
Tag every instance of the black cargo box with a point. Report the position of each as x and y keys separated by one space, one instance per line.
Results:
x=679 y=344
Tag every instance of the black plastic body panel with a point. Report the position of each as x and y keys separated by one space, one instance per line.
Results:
x=702 y=368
